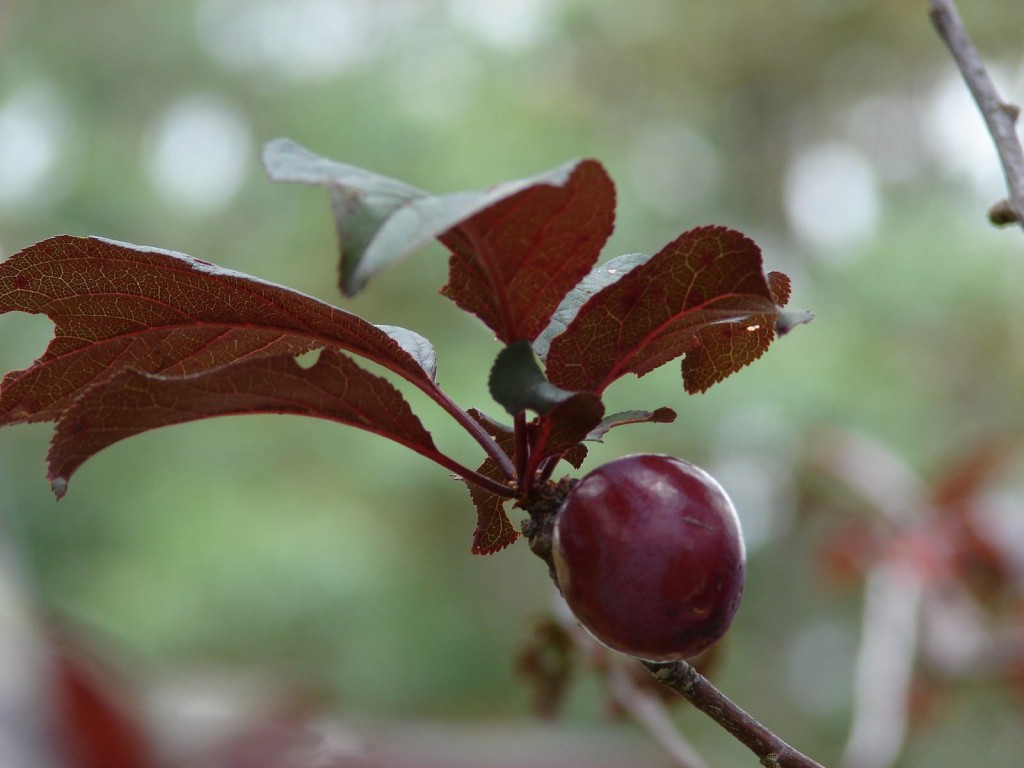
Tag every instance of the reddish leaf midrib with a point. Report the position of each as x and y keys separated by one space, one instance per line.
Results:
x=624 y=366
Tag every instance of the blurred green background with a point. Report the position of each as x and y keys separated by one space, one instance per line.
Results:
x=835 y=132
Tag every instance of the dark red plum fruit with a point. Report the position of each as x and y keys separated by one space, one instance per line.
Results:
x=649 y=556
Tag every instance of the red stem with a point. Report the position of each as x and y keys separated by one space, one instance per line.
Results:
x=547 y=468
x=476 y=431
x=469 y=475
x=522 y=451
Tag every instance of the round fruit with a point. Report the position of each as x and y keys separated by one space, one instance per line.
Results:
x=649 y=556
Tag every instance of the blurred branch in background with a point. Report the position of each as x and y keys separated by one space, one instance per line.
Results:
x=27 y=724
x=630 y=690
x=1000 y=116
x=942 y=584
x=650 y=711
x=885 y=664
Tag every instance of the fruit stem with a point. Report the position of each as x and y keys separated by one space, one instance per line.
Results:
x=478 y=433
x=543 y=503
x=469 y=475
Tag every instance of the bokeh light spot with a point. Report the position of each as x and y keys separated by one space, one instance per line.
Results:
x=513 y=25
x=832 y=198
x=197 y=153
x=33 y=134
x=300 y=40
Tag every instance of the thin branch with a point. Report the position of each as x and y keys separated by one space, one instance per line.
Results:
x=772 y=751
x=885 y=665
x=1000 y=116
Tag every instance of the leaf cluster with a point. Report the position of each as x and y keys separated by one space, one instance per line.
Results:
x=146 y=338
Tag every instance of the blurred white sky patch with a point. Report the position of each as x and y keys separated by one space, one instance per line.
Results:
x=832 y=198
x=671 y=167
x=512 y=25
x=34 y=132
x=297 y=39
x=197 y=152
x=955 y=134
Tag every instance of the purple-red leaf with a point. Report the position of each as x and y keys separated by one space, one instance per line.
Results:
x=517 y=383
x=373 y=216
x=658 y=416
x=494 y=531
x=576 y=455
x=599 y=278
x=518 y=247
x=565 y=427
x=118 y=306
x=132 y=401
x=780 y=287
x=704 y=295
x=514 y=261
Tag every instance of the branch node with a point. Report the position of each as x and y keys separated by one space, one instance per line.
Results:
x=1002 y=214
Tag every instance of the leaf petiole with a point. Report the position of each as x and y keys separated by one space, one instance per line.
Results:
x=477 y=432
x=547 y=468
x=522 y=450
x=472 y=476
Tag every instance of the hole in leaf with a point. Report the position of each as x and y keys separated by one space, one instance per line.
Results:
x=23 y=338
x=308 y=359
